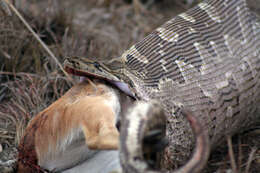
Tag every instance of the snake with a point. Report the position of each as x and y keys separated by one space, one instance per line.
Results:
x=205 y=60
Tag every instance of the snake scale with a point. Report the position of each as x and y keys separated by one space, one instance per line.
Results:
x=206 y=60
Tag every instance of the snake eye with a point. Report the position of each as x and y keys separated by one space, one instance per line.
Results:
x=97 y=66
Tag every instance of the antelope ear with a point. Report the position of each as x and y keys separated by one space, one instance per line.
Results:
x=126 y=103
x=143 y=136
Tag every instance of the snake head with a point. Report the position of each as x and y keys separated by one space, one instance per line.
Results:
x=111 y=71
x=81 y=66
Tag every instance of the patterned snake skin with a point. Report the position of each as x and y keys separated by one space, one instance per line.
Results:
x=206 y=59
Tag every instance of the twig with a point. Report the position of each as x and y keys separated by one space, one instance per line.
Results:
x=231 y=155
x=251 y=158
x=30 y=74
x=240 y=154
x=6 y=136
x=5 y=54
x=16 y=12
x=8 y=163
x=5 y=8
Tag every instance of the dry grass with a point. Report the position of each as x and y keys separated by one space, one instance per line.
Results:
x=30 y=79
x=27 y=95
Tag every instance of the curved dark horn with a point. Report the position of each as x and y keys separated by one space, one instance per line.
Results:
x=202 y=150
x=147 y=122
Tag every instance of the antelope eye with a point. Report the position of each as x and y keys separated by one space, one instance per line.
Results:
x=118 y=125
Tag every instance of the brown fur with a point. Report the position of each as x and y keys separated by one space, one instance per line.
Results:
x=84 y=105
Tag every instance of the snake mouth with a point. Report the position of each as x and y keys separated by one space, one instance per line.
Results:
x=75 y=72
x=117 y=84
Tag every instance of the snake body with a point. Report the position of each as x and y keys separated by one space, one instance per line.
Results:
x=206 y=59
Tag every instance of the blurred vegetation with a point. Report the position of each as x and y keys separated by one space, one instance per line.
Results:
x=29 y=79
